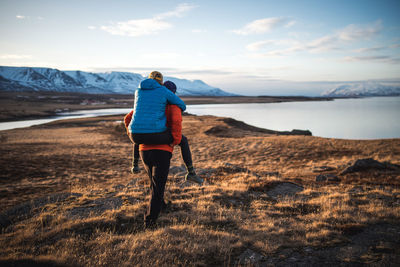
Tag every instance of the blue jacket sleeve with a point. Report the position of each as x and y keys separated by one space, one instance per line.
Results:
x=175 y=100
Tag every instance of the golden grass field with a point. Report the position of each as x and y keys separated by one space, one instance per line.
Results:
x=68 y=199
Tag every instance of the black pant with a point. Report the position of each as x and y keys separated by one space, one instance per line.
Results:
x=185 y=152
x=153 y=138
x=156 y=163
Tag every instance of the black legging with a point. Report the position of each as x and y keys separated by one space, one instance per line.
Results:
x=153 y=138
x=156 y=164
x=185 y=152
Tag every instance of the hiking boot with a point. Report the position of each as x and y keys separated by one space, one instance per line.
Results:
x=166 y=206
x=135 y=169
x=150 y=225
x=193 y=177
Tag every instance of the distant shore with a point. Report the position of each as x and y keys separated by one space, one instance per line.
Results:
x=16 y=106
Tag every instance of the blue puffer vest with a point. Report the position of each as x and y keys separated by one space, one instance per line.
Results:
x=151 y=99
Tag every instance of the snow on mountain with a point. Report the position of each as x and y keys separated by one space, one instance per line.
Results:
x=87 y=79
x=368 y=88
x=122 y=82
x=47 y=79
x=195 y=88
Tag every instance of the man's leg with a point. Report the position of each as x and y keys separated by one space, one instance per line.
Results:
x=160 y=161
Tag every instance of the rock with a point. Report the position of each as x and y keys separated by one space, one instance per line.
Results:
x=284 y=189
x=368 y=164
x=333 y=178
x=188 y=184
x=300 y=132
x=177 y=169
x=250 y=257
x=321 y=178
x=132 y=183
x=327 y=177
x=323 y=169
x=206 y=173
x=230 y=168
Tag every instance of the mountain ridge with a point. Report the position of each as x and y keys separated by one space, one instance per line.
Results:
x=367 y=88
x=114 y=82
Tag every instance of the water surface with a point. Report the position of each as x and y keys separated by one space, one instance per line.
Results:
x=364 y=118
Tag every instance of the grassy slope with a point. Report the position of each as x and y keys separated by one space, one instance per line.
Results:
x=352 y=221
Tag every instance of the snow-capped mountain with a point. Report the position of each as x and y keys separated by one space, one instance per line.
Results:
x=195 y=88
x=369 y=88
x=47 y=79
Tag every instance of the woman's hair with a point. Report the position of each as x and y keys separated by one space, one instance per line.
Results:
x=156 y=75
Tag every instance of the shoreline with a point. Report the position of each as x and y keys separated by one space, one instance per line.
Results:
x=17 y=106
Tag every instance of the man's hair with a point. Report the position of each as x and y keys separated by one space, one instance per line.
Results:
x=171 y=86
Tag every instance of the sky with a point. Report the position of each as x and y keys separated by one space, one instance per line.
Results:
x=245 y=47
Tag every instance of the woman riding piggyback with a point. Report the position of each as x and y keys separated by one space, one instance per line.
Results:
x=148 y=124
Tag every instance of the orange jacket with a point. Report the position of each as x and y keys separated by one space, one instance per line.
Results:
x=174 y=122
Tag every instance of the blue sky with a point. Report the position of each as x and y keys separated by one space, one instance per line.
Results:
x=247 y=47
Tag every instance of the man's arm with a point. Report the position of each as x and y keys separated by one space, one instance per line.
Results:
x=175 y=100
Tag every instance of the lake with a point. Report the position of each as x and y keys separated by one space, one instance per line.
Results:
x=363 y=118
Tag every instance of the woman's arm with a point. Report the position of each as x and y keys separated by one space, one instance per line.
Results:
x=175 y=100
x=127 y=120
x=174 y=122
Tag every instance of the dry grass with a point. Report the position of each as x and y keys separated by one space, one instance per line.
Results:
x=354 y=221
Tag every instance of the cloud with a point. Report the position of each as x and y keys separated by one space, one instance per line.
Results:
x=20 y=17
x=355 y=32
x=385 y=59
x=330 y=42
x=369 y=49
x=261 y=26
x=259 y=45
x=92 y=27
x=140 y=27
x=270 y=43
x=179 y=11
x=14 y=56
x=290 y=24
x=136 y=28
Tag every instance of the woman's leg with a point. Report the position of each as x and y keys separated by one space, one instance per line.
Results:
x=156 y=163
x=187 y=158
x=135 y=159
x=186 y=154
